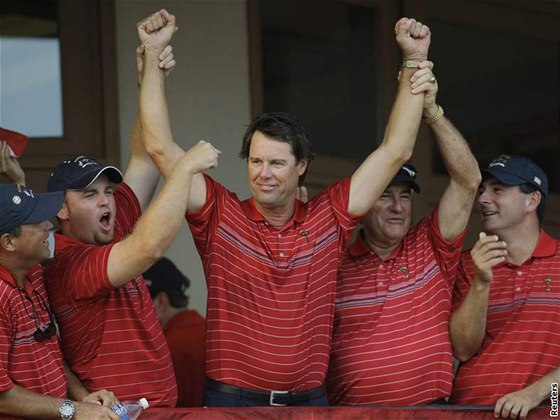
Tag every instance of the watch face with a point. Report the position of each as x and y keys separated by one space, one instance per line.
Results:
x=66 y=409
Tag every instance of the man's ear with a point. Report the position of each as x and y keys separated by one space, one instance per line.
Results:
x=534 y=200
x=302 y=166
x=63 y=212
x=7 y=242
x=161 y=302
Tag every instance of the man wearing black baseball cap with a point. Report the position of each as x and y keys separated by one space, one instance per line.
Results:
x=184 y=329
x=505 y=326
x=28 y=339
x=110 y=333
x=394 y=285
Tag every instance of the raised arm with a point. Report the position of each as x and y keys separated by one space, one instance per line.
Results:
x=375 y=173
x=158 y=226
x=9 y=165
x=155 y=33
x=458 y=198
x=468 y=322
x=141 y=173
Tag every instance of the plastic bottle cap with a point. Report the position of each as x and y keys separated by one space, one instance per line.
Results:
x=144 y=403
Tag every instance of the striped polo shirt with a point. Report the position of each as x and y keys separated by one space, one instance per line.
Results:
x=270 y=291
x=111 y=337
x=391 y=342
x=522 y=341
x=30 y=364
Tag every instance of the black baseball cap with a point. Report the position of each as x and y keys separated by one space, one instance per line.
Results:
x=21 y=206
x=164 y=276
x=80 y=172
x=406 y=175
x=517 y=170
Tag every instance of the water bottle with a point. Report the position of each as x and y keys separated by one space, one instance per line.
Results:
x=130 y=410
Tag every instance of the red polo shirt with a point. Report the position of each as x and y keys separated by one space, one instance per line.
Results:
x=522 y=341
x=111 y=337
x=391 y=342
x=185 y=334
x=35 y=366
x=270 y=291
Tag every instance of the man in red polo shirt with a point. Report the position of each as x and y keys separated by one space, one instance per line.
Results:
x=391 y=342
x=110 y=333
x=34 y=380
x=506 y=324
x=184 y=329
x=271 y=261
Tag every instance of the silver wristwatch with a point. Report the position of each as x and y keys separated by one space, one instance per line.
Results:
x=66 y=410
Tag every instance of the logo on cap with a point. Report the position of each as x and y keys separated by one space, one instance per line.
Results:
x=410 y=172
x=500 y=161
x=84 y=161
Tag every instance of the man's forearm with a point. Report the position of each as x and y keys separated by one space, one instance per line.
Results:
x=457 y=156
x=468 y=322
x=76 y=390
x=154 y=117
x=18 y=401
x=541 y=389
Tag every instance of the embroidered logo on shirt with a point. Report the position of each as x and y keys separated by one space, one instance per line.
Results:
x=547 y=281
x=404 y=269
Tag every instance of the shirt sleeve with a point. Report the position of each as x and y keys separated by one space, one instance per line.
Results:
x=463 y=280
x=5 y=344
x=339 y=196
x=448 y=253
x=201 y=222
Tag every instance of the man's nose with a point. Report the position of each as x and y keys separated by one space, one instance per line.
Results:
x=265 y=171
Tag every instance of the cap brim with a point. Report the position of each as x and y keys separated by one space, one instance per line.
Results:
x=114 y=175
x=48 y=205
x=409 y=182
x=414 y=186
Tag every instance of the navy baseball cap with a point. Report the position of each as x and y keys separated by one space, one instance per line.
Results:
x=21 y=206
x=164 y=276
x=80 y=172
x=517 y=170
x=406 y=175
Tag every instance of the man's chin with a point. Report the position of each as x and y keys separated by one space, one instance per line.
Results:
x=105 y=238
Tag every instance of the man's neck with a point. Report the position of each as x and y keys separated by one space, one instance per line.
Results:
x=383 y=250
x=17 y=272
x=277 y=216
x=521 y=242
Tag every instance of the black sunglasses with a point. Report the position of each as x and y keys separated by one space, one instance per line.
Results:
x=41 y=334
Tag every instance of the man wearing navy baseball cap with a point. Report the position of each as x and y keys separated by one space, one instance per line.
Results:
x=28 y=339
x=396 y=281
x=111 y=231
x=21 y=206
x=507 y=295
x=80 y=172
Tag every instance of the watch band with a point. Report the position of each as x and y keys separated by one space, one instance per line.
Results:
x=430 y=119
x=410 y=64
